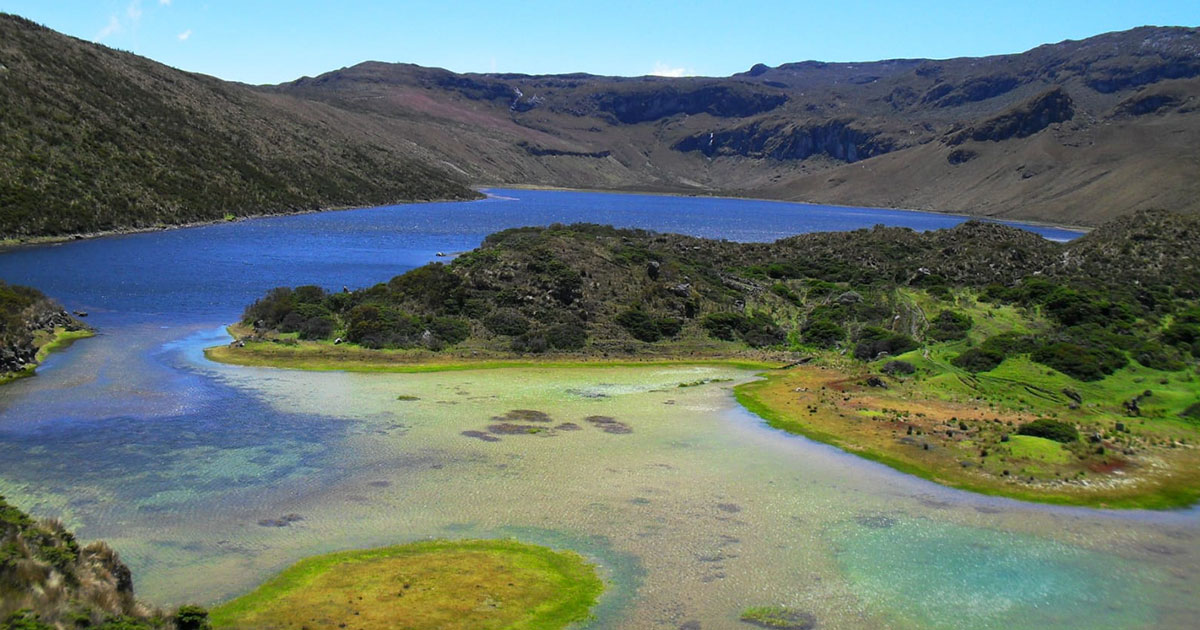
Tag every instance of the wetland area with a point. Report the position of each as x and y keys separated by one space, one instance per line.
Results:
x=210 y=478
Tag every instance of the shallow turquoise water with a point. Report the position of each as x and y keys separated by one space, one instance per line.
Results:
x=696 y=513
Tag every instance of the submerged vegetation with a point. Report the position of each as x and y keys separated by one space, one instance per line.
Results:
x=1091 y=345
x=434 y=584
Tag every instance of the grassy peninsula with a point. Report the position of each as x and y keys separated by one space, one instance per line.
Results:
x=32 y=326
x=433 y=584
x=982 y=356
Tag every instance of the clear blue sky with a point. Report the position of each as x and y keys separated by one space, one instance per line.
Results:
x=269 y=42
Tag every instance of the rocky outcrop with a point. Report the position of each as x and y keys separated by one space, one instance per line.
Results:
x=725 y=101
x=43 y=569
x=25 y=312
x=971 y=90
x=1122 y=76
x=1026 y=119
x=542 y=151
x=1147 y=103
x=837 y=139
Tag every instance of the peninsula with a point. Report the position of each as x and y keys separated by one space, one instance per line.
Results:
x=982 y=356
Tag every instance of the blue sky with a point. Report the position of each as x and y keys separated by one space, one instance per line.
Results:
x=270 y=42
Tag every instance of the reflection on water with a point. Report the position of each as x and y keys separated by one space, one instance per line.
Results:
x=696 y=513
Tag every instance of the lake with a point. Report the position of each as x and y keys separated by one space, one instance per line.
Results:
x=697 y=512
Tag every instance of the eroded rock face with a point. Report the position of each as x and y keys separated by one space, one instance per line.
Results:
x=1026 y=119
x=838 y=139
x=971 y=90
x=724 y=101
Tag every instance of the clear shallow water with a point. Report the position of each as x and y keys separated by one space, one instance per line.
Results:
x=696 y=514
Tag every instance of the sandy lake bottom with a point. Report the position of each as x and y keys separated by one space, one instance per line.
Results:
x=215 y=477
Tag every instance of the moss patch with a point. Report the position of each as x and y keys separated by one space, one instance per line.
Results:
x=778 y=618
x=437 y=584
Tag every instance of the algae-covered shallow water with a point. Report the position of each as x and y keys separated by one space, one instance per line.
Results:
x=209 y=478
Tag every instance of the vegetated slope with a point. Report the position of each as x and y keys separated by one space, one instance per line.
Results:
x=96 y=139
x=1125 y=289
x=48 y=580
x=28 y=321
x=963 y=337
x=1075 y=132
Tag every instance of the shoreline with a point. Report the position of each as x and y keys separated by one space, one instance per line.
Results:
x=61 y=340
x=11 y=244
x=306 y=360
x=1082 y=229
x=1160 y=492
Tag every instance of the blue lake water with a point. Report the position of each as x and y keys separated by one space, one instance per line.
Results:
x=134 y=437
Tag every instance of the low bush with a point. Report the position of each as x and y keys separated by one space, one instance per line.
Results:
x=1051 y=430
x=950 y=326
x=506 y=321
x=822 y=333
x=873 y=341
x=978 y=360
x=1085 y=364
x=646 y=327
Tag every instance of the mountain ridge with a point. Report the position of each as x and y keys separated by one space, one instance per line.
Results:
x=1076 y=133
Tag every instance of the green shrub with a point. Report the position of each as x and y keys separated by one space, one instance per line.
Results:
x=191 y=618
x=1156 y=356
x=646 y=327
x=758 y=330
x=725 y=326
x=566 y=336
x=950 y=326
x=1051 y=430
x=533 y=341
x=506 y=321
x=23 y=619
x=873 y=341
x=822 y=333
x=1009 y=344
x=977 y=360
x=450 y=330
x=1085 y=364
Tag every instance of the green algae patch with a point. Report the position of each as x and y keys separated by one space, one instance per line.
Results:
x=778 y=618
x=469 y=584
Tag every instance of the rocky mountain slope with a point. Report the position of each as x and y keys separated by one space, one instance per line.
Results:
x=96 y=139
x=1075 y=132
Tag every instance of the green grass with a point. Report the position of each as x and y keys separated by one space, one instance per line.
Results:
x=1040 y=449
x=1181 y=488
x=497 y=584
x=326 y=357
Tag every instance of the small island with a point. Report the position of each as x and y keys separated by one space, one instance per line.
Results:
x=431 y=585
x=983 y=357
